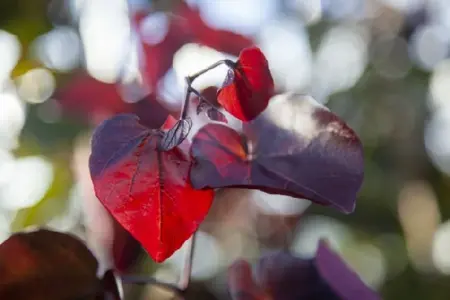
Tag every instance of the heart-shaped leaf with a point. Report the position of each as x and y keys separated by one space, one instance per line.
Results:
x=49 y=265
x=145 y=189
x=248 y=87
x=297 y=147
x=282 y=276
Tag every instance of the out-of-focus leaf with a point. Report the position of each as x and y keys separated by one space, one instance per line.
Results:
x=89 y=99
x=282 y=276
x=47 y=265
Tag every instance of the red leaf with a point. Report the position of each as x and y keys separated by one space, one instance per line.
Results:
x=146 y=190
x=47 y=265
x=248 y=87
x=310 y=154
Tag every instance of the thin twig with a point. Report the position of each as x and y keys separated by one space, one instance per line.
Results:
x=185 y=274
x=227 y=62
x=190 y=80
x=185 y=107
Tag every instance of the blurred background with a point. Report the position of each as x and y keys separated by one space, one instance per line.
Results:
x=381 y=65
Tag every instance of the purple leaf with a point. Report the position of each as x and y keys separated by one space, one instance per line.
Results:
x=176 y=135
x=282 y=276
x=296 y=147
x=215 y=115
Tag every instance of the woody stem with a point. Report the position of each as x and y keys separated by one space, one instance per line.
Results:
x=185 y=108
x=190 y=79
x=213 y=66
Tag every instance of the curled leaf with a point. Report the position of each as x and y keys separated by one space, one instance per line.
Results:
x=207 y=102
x=175 y=135
x=297 y=147
x=215 y=115
x=146 y=190
x=282 y=276
x=248 y=87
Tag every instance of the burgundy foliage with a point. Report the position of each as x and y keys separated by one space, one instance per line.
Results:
x=310 y=154
x=158 y=185
x=282 y=276
x=51 y=265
